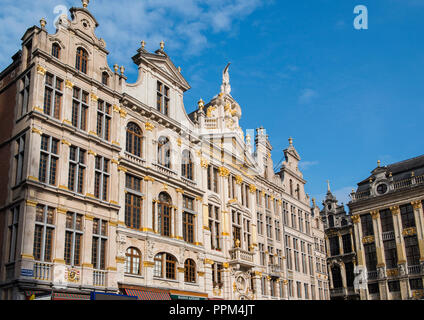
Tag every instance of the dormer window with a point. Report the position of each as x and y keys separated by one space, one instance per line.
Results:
x=105 y=78
x=81 y=60
x=162 y=104
x=56 y=50
x=382 y=188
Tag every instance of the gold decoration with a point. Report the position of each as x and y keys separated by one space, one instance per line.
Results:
x=375 y=214
x=409 y=231
x=368 y=239
x=149 y=126
x=179 y=190
x=204 y=163
x=417 y=204
x=41 y=70
x=35 y=130
x=31 y=203
x=201 y=104
x=224 y=172
x=395 y=210
x=356 y=218
x=66 y=142
x=209 y=111
x=123 y=113
x=69 y=84
x=179 y=142
x=63 y=187
x=43 y=23
x=94 y=97
x=91 y=152
x=239 y=179
x=121 y=168
x=252 y=188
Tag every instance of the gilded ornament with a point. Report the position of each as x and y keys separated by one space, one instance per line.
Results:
x=149 y=126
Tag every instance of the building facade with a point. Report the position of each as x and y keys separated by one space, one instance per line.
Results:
x=111 y=186
x=340 y=244
x=387 y=213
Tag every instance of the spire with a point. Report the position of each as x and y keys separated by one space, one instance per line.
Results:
x=328 y=186
x=85 y=3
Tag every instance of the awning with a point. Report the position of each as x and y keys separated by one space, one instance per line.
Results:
x=70 y=296
x=148 y=295
x=187 y=295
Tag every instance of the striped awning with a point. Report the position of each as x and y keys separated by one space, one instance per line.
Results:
x=148 y=295
x=70 y=296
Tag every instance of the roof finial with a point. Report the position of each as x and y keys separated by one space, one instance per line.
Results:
x=43 y=23
x=162 y=45
x=291 y=141
x=85 y=3
x=143 y=44
x=226 y=87
x=379 y=163
x=328 y=186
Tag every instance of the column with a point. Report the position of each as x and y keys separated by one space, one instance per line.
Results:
x=27 y=238
x=378 y=238
x=419 y=222
x=179 y=216
x=150 y=146
x=112 y=252
x=199 y=221
x=400 y=248
x=63 y=169
x=121 y=197
x=34 y=154
x=114 y=180
x=67 y=102
x=340 y=243
x=91 y=165
x=59 y=245
x=356 y=219
x=148 y=204
x=87 y=246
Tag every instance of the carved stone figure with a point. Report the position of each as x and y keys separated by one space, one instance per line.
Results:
x=402 y=271
x=226 y=87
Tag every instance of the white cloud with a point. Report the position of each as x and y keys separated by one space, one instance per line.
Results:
x=307 y=95
x=182 y=24
x=305 y=165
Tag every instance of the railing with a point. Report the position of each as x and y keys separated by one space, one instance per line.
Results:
x=99 y=278
x=362 y=195
x=164 y=170
x=189 y=182
x=132 y=158
x=275 y=268
x=414 y=269
x=42 y=271
x=389 y=235
x=241 y=255
x=372 y=275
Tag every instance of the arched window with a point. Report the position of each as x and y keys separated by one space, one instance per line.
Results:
x=105 y=78
x=190 y=271
x=56 y=50
x=134 y=139
x=133 y=261
x=164 y=214
x=165 y=266
x=81 y=60
x=164 y=152
x=187 y=165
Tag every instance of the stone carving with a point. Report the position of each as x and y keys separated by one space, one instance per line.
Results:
x=402 y=271
x=226 y=88
x=150 y=245
x=381 y=273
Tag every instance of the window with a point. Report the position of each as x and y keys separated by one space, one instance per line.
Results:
x=367 y=228
x=164 y=214
x=164 y=152
x=19 y=159
x=277 y=230
x=306 y=286
x=347 y=243
x=43 y=233
x=49 y=158
x=262 y=254
x=190 y=271
x=268 y=227
x=133 y=202
x=394 y=286
x=350 y=275
x=77 y=167
x=187 y=165
x=260 y=223
x=337 y=277
x=133 y=261
x=373 y=288
x=188 y=227
x=247 y=235
x=291 y=187
x=334 y=246
x=53 y=93
x=13 y=233
x=81 y=62
x=212 y=179
x=98 y=253
x=101 y=178
x=104 y=116
x=412 y=251
x=390 y=254
x=56 y=50
x=105 y=78
x=407 y=215
x=162 y=98
x=370 y=257
x=236 y=220
x=24 y=93
x=214 y=227
x=165 y=266
x=416 y=284
x=386 y=220
x=299 y=289
x=134 y=139
x=73 y=238
x=79 y=108
x=330 y=221
x=217 y=278
x=290 y=288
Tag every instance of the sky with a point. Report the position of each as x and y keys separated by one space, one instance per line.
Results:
x=299 y=68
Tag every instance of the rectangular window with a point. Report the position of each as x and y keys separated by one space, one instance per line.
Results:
x=412 y=251
x=394 y=286
x=268 y=227
x=306 y=286
x=24 y=93
x=416 y=284
x=277 y=230
x=386 y=220
x=347 y=243
x=260 y=223
x=53 y=96
x=367 y=227
x=334 y=246
x=299 y=289
x=188 y=227
x=101 y=178
x=217 y=278
x=43 y=233
x=247 y=235
x=133 y=202
x=162 y=98
x=370 y=257
x=13 y=233
x=19 y=159
x=77 y=167
x=73 y=238
x=214 y=227
x=104 y=118
x=262 y=253
x=236 y=222
x=49 y=158
x=407 y=216
x=290 y=287
x=98 y=253
x=80 y=108
x=390 y=254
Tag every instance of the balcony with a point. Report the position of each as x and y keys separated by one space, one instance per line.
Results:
x=275 y=269
x=389 y=235
x=99 y=278
x=134 y=159
x=42 y=271
x=241 y=257
x=414 y=269
x=189 y=182
x=372 y=275
x=164 y=170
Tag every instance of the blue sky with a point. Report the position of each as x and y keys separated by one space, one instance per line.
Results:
x=299 y=68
